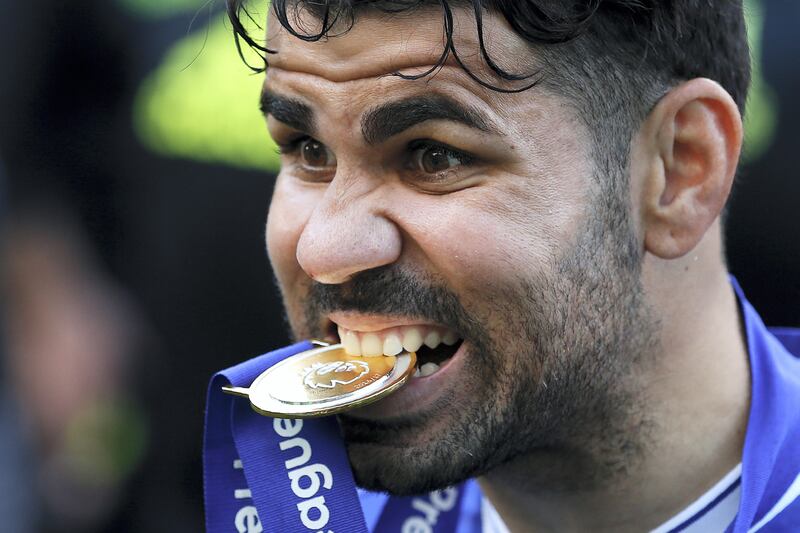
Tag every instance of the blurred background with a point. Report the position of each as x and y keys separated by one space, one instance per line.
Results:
x=135 y=173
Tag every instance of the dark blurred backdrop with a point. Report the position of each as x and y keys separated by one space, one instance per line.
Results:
x=133 y=251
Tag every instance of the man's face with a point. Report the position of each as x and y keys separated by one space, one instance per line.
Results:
x=439 y=205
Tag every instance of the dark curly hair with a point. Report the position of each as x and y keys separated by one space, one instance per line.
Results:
x=613 y=58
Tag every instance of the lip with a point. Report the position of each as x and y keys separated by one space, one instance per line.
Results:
x=371 y=323
x=419 y=394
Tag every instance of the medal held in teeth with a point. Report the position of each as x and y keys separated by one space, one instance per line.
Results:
x=324 y=381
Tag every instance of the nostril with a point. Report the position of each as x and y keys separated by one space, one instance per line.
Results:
x=330 y=278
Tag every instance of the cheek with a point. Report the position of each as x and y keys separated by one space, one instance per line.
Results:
x=492 y=240
x=289 y=211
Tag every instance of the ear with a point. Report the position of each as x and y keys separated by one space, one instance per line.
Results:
x=688 y=150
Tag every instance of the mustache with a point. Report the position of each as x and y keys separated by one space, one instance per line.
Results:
x=388 y=290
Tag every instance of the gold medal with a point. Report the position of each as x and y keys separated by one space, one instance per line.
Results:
x=324 y=381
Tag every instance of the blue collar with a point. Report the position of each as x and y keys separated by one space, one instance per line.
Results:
x=771 y=456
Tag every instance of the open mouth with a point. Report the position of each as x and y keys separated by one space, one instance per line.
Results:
x=434 y=345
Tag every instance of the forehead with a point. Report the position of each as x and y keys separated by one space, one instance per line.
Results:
x=342 y=76
x=378 y=45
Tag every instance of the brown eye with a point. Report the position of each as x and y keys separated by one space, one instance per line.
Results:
x=315 y=154
x=434 y=159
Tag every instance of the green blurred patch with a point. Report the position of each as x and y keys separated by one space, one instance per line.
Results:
x=201 y=103
x=761 y=112
x=105 y=443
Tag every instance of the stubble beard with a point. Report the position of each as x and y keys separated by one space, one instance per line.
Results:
x=565 y=416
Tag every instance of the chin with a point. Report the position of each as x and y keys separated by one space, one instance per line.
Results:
x=400 y=471
x=410 y=458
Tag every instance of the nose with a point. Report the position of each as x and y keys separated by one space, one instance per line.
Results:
x=347 y=233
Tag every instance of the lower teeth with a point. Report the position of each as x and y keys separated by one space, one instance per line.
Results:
x=426 y=370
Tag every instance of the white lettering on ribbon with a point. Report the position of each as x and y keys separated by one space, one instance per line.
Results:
x=306 y=479
x=246 y=519
x=438 y=501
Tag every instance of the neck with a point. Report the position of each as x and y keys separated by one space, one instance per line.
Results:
x=695 y=392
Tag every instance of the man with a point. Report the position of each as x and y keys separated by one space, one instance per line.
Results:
x=539 y=184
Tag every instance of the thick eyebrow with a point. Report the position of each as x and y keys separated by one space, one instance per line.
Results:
x=291 y=112
x=387 y=120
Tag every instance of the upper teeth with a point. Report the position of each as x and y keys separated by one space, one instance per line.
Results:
x=392 y=341
x=433 y=339
x=450 y=337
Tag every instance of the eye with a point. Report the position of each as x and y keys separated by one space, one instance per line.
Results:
x=433 y=158
x=314 y=154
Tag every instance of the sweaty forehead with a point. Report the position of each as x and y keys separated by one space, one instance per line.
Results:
x=380 y=44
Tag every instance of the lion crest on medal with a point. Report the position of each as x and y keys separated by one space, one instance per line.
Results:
x=328 y=375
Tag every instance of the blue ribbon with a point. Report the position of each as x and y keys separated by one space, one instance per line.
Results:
x=435 y=512
x=281 y=475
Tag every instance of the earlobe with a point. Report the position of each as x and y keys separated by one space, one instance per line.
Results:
x=695 y=134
